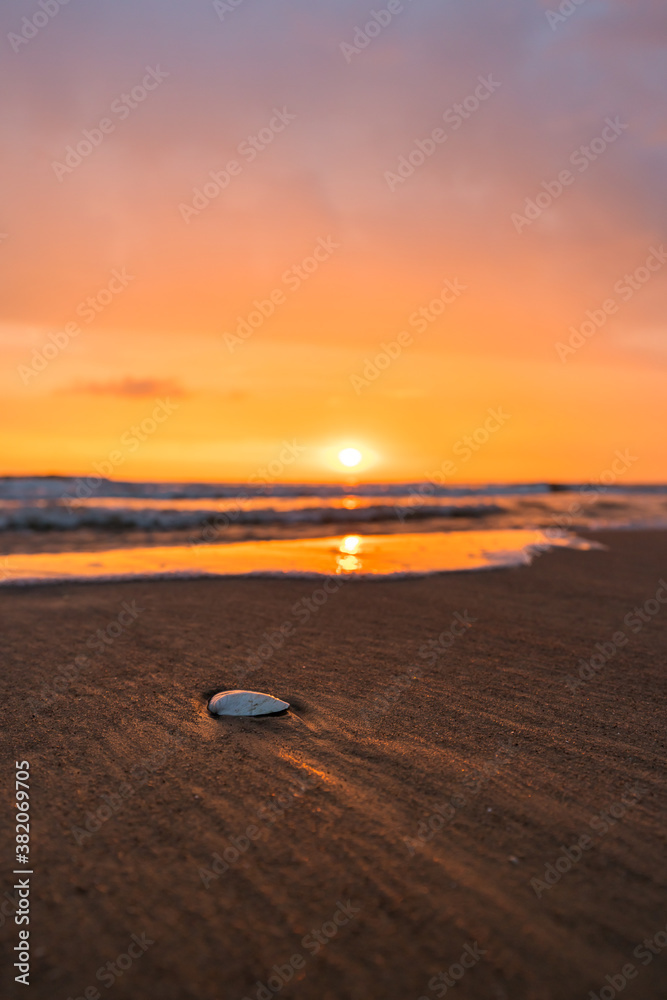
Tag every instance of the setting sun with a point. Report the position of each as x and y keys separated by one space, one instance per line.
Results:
x=350 y=457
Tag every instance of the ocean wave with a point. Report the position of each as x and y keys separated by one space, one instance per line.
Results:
x=61 y=504
x=27 y=488
x=72 y=518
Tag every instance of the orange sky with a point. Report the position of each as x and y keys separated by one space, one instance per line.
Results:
x=171 y=276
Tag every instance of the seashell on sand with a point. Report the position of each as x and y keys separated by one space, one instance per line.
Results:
x=245 y=703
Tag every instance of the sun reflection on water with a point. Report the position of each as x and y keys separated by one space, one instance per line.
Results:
x=347 y=561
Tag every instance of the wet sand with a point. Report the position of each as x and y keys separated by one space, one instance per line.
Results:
x=362 y=845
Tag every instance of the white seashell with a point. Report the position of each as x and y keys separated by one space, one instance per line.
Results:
x=245 y=703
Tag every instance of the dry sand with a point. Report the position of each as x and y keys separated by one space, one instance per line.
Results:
x=489 y=733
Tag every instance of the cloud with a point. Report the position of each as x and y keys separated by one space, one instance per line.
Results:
x=131 y=388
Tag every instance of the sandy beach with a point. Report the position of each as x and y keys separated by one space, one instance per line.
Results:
x=448 y=790
x=333 y=346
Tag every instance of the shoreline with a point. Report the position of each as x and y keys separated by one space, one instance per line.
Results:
x=343 y=557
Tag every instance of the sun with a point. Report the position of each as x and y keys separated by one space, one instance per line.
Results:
x=349 y=457
x=349 y=461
